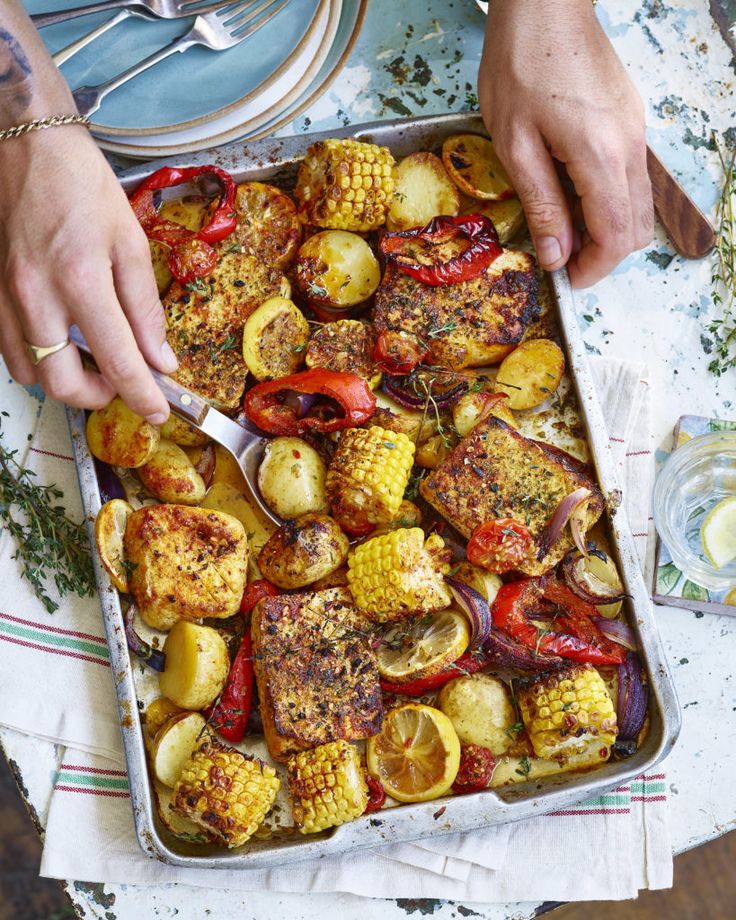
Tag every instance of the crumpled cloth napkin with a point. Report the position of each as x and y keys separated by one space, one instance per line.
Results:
x=90 y=832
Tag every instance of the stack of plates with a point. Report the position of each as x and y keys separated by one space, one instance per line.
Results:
x=203 y=98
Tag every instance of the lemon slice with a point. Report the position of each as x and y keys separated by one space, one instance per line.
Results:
x=718 y=533
x=416 y=756
x=110 y=524
x=428 y=647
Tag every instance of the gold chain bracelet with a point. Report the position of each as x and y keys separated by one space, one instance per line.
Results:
x=38 y=124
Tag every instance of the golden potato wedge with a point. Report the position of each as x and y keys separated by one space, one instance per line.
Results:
x=182 y=433
x=110 y=526
x=423 y=190
x=116 y=435
x=471 y=407
x=268 y=225
x=275 y=337
x=303 y=550
x=474 y=167
x=174 y=744
x=335 y=268
x=291 y=478
x=197 y=665
x=171 y=476
x=158 y=713
x=480 y=708
x=531 y=373
x=507 y=215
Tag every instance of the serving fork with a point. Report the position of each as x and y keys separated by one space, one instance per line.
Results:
x=217 y=30
x=246 y=444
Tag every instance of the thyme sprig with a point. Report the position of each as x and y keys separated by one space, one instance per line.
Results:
x=723 y=276
x=50 y=545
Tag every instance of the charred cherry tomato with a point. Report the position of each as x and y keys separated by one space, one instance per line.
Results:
x=476 y=769
x=255 y=592
x=342 y=400
x=398 y=353
x=571 y=632
x=468 y=663
x=499 y=546
x=229 y=717
x=376 y=795
x=482 y=249
x=192 y=259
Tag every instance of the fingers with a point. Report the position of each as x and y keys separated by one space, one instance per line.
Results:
x=640 y=189
x=136 y=289
x=534 y=176
x=13 y=347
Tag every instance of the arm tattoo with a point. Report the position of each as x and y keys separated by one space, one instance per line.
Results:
x=16 y=89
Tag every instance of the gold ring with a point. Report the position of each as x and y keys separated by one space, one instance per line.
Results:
x=38 y=352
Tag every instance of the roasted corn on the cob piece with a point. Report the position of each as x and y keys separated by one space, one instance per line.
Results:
x=569 y=712
x=327 y=786
x=346 y=184
x=225 y=792
x=399 y=573
x=369 y=474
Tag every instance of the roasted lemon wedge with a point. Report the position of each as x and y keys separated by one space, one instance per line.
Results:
x=110 y=524
x=427 y=648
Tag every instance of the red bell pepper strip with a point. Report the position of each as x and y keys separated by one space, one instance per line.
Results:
x=577 y=637
x=255 y=592
x=266 y=406
x=398 y=353
x=468 y=663
x=229 y=717
x=403 y=247
x=376 y=795
x=500 y=545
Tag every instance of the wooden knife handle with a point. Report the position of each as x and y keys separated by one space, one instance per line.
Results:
x=690 y=231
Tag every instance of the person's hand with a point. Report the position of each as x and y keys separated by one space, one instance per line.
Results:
x=72 y=251
x=551 y=88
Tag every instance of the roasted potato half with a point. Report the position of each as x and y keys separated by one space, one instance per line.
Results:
x=274 y=339
x=480 y=708
x=507 y=216
x=474 y=167
x=336 y=268
x=116 y=435
x=303 y=550
x=346 y=345
x=170 y=476
x=291 y=478
x=531 y=373
x=180 y=432
x=268 y=226
x=174 y=744
x=423 y=190
x=472 y=407
x=197 y=665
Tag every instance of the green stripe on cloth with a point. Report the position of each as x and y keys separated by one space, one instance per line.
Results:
x=603 y=801
x=44 y=638
x=99 y=782
x=640 y=787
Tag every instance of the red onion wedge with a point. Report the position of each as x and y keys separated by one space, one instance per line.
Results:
x=506 y=652
x=153 y=657
x=564 y=513
x=402 y=391
x=206 y=465
x=583 y=582
x=617 y=631
x=475 y=607
x=110 y=485
x=633 y=694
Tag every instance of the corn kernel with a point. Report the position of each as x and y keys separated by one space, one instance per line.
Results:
x=327 y=786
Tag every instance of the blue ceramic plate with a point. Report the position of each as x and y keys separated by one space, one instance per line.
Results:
x=187 y=89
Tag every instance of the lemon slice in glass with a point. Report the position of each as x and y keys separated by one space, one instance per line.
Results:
x=416 y=756
x=426 y=648
x=718 y=533
x=110 y=524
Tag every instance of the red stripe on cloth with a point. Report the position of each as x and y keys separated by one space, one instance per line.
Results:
x=653 y=776
x=588 y=811
x=105 y=792
x=638 y=453
x=53 y=629
x=68 y=766
x=618 y=440
x=50 y=453
x=648 y=798
x=639 y=534
x=55 y=651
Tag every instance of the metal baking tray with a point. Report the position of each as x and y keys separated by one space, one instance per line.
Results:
x=276 y=160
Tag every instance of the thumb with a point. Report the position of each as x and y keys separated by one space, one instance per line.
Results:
x=534 y=177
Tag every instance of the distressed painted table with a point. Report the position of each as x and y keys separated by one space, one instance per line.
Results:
x=421 y=58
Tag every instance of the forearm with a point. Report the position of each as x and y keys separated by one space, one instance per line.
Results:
x=30 y=84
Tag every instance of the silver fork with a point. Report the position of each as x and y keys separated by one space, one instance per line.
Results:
x=218 y=30
x=162 y=9
x=245 y=444
x=171 y=9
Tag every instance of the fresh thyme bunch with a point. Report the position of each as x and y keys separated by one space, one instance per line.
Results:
x=723 y=277
x=50 y=545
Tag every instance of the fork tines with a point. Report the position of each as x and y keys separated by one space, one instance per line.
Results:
x=239 y=18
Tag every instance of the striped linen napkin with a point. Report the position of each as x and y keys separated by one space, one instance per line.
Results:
x=90 y=832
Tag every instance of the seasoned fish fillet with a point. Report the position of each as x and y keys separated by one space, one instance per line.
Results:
x=316 y=671
x=205 y=324
x=496 y=472
x=186 y=563
x=468 y=324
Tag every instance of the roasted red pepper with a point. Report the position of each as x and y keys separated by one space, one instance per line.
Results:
x=398 y=353
x=342 y=401
x=376 y=795
x=571 y=632
x=406 y=246
x=499 y=545
x=192 y=255
x=229 y=717
x=475 y=771
x=255 y=592
x=468 y=663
